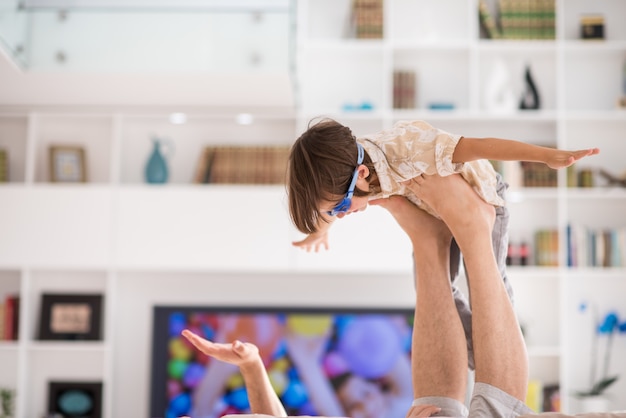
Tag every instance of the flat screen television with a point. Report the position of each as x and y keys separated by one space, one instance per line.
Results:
x=317 y=359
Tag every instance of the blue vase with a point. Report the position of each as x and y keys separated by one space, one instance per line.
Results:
x=156 y=169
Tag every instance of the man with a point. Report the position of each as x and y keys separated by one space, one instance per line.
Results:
x=439 y=353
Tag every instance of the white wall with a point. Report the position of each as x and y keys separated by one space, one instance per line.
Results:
x=128 y=89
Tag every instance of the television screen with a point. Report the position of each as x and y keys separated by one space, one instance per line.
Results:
x=333 y=362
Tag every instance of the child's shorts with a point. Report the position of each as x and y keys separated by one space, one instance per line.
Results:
x=487 y=402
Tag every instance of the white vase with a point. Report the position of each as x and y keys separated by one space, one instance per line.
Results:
x=593 y=404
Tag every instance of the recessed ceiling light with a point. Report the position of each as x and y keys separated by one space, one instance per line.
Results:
x=178 y=118
x=245 y=119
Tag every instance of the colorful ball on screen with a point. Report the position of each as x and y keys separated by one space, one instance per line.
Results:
x=180 y=405
x=201 y=358
x=295 y=395
x=207 y=331
x=265 y=331
x=278 y=380
x=173 y=388
x=235 y=381
x=193 y=375
x=371 y=346
x=307 y=409
x=311 y=325
x=334 y=364
x=281 y=364
x=179 y=350
x=176 y=368
x=177 y=323
x=238 y=398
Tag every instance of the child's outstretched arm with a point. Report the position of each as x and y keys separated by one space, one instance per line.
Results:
x=470 y=149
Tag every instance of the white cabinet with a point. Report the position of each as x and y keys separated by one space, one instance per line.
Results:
x=140 y=244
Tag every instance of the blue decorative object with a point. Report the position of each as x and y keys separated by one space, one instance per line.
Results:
x=156 y=169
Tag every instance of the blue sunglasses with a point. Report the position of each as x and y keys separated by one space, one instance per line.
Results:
x=344 y=205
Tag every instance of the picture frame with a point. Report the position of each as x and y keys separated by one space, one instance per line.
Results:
x=68 y=317
x=67 y=164
x=75 y=399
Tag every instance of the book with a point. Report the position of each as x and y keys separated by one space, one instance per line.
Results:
x=367 y=17
x=227 y=164
x=203 y=166
x=4 y=165
x=11 y=317
x=2 y=308
x=404 y=89
x=487 y=21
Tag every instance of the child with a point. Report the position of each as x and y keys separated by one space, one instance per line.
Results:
x=332 y=173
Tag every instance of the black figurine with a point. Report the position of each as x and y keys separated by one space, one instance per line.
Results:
x=530 y=98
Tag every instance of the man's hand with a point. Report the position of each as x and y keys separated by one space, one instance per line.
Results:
x=313 y=242
x=236 y=353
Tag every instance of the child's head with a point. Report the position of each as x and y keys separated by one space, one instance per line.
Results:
x=321 y=166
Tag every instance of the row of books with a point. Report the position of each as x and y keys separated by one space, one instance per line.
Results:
x=546 y=252
x=518 y=19
x=543 y=397
x=367 y=18
x=596 y=247
x=526 y=174
x=404 y=89
x=9 y=318
x=242 y=165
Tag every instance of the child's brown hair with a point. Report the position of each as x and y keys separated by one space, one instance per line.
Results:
x=320 y=168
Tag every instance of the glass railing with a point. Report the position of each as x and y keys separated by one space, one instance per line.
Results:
x=149 y=36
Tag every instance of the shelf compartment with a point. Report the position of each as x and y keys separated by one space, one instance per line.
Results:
x=543 y=68
x=426 y=21
x=608 y=135
x=183 y=144
x=45 y=366
x=596 y=79
x=92 y=132
x=332 y=79
x=13 y=139
x=613 y=12
x=440 y=76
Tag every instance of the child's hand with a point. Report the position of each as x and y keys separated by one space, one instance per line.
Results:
x=561 y=159
x=313 y=242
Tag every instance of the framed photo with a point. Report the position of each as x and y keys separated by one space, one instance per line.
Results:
x=75 y=399
x=71 y=317
x=67 y=164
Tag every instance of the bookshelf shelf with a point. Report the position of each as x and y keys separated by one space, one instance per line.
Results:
x=579 y=83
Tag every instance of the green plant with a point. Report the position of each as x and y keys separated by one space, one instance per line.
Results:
x=6 y=403
x=609 y=327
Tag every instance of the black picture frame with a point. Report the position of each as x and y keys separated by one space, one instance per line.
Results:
x=68 y=317
x=73 y=399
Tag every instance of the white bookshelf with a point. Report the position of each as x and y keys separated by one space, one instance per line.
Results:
x=579 y=85
x=140 y=244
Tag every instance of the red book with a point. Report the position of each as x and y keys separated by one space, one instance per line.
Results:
x=11 y=317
